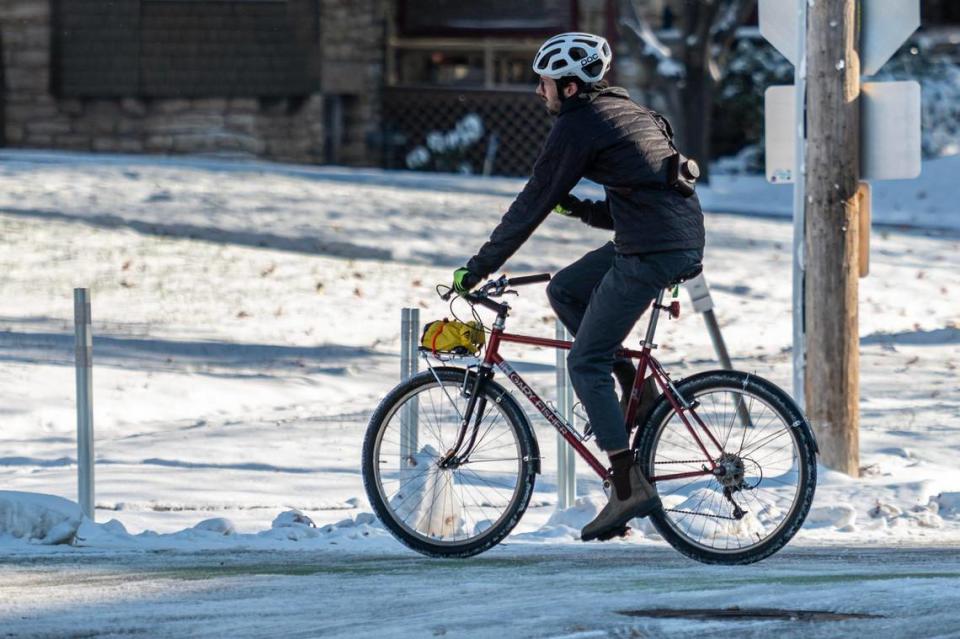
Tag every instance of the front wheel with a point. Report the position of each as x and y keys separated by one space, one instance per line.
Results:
x=742 y=491
x=436 y=509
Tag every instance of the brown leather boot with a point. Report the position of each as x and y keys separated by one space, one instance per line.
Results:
x=630 y=496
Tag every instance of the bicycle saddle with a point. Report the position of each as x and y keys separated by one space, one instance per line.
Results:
x=689 y=275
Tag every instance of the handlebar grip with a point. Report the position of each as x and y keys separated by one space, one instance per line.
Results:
x=528 y=279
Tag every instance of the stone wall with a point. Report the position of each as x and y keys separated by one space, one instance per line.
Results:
x=353 y=45
x=289 y=129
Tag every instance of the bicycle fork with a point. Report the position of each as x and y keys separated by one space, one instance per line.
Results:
x=458 y=454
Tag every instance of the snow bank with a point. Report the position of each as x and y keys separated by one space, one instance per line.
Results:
x=39 y=519
x=566 y=524
x=841 y=517
x=33 y=518
x=289 y=530
x=948 y=505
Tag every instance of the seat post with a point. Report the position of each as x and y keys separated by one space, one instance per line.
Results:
x=654 y=316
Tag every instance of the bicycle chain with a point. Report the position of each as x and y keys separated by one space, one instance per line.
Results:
x=690 y=512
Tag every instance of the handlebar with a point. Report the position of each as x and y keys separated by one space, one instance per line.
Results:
x=528 y=279
x=496 y=288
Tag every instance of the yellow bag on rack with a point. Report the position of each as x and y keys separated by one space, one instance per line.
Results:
x=453 y=336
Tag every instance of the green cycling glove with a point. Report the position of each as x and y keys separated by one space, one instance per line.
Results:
x=569 y=206
x=464 y=280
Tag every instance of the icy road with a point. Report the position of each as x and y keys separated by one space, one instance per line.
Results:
x=513 y=591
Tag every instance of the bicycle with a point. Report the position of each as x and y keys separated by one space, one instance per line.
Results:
x=450 y=458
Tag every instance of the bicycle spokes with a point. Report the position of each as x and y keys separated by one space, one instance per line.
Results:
x=435 y=493
x=740 y=496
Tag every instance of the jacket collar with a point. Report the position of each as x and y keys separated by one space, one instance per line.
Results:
x=583 y=99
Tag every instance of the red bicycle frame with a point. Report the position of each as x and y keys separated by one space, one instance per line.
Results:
x=646 y=360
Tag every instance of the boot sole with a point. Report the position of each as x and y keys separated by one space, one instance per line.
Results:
x=642 y=510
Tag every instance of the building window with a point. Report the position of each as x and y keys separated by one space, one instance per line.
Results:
x=455 y=17
x=183 y=48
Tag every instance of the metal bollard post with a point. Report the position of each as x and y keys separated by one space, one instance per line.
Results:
x=409 y=353
x=566 y=459
x=84 y=364
x=703 y=304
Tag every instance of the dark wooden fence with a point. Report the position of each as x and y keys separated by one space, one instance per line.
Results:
x=515 y=124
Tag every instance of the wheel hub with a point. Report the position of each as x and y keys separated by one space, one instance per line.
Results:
x=730 y=471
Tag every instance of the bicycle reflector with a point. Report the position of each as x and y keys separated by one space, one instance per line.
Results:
x=453 y=337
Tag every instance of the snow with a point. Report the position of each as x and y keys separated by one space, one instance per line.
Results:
x=41 y=519
x=927 y=202
x=246 y=323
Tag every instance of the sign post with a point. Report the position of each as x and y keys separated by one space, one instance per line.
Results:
x=409 y=352
x=819 y=118
x=84 y=364
x=785 y=132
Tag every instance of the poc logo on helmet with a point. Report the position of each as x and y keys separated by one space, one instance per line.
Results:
x=589 y=59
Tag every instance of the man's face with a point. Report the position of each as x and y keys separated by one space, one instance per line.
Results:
x=547 y=91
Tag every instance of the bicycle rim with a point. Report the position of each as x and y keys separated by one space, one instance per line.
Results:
x=764 y=473
x=446 y=506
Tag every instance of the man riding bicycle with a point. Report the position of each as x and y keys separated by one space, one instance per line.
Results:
x=602 y=135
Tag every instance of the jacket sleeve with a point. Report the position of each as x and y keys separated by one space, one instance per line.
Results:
x=561 y=164
x=596 y=214
x=589 y=212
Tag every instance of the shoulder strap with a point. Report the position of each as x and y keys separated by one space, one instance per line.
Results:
x=664 y=125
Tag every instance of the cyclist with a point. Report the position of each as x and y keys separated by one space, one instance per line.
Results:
x=599 y=133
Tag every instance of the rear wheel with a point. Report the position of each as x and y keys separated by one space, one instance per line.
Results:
x=448 y=511
x=758 y=496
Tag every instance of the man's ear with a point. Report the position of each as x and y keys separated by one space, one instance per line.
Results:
x=571 y=90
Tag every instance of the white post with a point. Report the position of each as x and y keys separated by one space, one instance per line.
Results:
x=84 y=365
x=799 y=195
x=409 y=415
x=566 y=456
x=703 y=304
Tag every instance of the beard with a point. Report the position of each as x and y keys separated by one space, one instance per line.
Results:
x=553 y=108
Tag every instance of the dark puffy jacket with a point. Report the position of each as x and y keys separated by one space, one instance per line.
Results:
x=606 y=137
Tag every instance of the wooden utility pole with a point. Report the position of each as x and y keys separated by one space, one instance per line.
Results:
x=832 y=232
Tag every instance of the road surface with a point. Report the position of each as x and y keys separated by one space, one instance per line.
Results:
x=516 y=590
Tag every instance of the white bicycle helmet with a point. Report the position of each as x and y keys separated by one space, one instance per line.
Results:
x=582 y=55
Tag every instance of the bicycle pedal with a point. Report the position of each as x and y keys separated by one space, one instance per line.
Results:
x=623 y=531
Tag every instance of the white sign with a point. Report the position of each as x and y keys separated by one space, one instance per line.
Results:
x=889 y=131
x=884 y=27
x=779 y=133
x=778 y=24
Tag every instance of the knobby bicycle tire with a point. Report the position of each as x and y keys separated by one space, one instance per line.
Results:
x=780 y=404
x=458 y=379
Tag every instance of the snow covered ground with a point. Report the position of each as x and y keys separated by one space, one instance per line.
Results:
x=246 y=320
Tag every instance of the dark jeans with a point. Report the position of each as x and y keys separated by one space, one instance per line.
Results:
x=599 y=298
